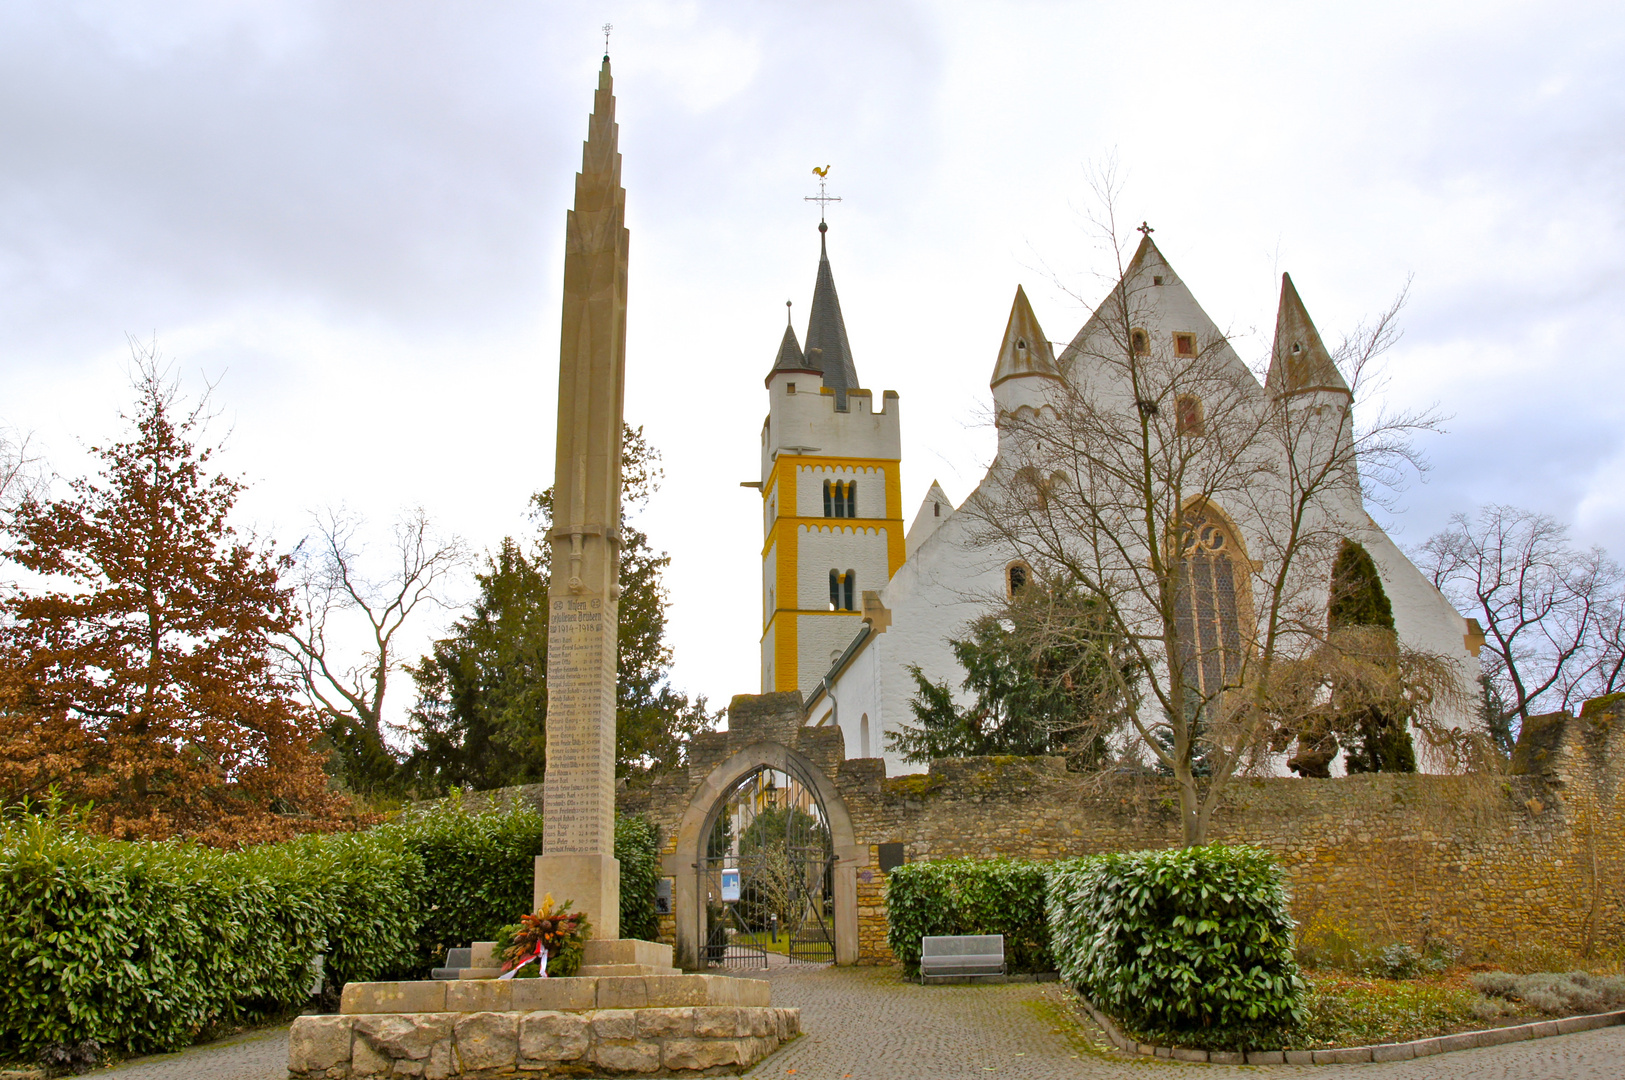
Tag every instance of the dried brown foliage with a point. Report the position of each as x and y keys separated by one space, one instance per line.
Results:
x=138 y=675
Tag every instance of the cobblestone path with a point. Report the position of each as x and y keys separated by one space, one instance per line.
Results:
x=867 y=1024
x=257 y=1055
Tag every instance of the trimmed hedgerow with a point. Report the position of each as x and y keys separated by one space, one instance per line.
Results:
x=142 y=945
x=970 y=896
x=637 y=847
x=1193 y=945
x=139 y=946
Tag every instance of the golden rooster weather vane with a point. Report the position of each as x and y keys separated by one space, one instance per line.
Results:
x=822 y=199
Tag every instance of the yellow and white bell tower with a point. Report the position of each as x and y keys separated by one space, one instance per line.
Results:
x=832 y=508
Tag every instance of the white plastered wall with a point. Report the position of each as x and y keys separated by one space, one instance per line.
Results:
x=822 y=548
x=871 y=489
x=820 y=641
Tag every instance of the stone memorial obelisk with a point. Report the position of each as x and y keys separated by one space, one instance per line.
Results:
x=578 y=825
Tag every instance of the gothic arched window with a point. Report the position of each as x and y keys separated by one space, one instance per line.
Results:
x=828 y=505
x=1211 y=603
x=850 y=582
x=1139 y=342
x=852 y=498
x=1016 y=576
x=834 y=590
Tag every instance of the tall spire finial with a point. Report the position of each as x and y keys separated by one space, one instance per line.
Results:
x=788 y=321
x=822 y=198
x=1144 y=229
x=607 y=27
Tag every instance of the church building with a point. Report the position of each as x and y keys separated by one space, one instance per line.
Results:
x=851 y=602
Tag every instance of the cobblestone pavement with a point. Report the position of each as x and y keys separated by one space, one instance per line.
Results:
x=256 y=1055
x=867 y=1024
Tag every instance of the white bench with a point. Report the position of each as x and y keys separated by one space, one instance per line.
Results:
x=961 y=956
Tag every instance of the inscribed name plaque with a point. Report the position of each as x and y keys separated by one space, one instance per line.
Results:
x=579 y=795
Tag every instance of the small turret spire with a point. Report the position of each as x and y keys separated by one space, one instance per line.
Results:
x=1025 y=350
x=1299 y=362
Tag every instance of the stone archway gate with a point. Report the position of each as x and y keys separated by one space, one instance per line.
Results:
x=764 y=731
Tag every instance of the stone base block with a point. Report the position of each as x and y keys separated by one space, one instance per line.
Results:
x=626 y=951
x=525 y=995
x=440 y=1045
x=592 y=883
x=626 y=956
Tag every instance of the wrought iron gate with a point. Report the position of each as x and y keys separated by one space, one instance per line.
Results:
x=767 y=874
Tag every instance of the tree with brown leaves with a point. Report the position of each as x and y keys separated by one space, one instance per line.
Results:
x=138 y=676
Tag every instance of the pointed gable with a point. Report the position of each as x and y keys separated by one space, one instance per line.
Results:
x=934 y=511
x=1025 y=350
x=1150 y=299
x=827 y=348
x=1299 y=362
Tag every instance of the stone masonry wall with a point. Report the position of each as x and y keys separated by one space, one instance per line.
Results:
x=1487 y=861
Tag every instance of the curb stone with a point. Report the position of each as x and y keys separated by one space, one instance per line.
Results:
x=1350 y=1055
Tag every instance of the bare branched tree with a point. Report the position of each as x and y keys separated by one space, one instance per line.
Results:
x=350 y=691
x=1195 y=512
x=1552 y=613
x=22 y=477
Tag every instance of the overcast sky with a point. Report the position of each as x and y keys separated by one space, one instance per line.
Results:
x=351 y=215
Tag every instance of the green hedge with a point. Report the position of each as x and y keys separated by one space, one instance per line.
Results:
x=1193 y=945
x=637 y=846
x=140 y=945
x=970 y=896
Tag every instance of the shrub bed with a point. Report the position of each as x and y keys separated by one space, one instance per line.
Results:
x=139 y=946
x=1192 y=946
x=970 y=896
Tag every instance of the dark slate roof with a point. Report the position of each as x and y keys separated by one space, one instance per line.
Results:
x=826 y=331
x=790 y=358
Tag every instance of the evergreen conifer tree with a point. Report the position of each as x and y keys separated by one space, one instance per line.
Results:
x=1377 y=738
x=481 y=717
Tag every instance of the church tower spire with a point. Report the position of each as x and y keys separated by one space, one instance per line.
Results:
x=827 y=347
x=832 y=512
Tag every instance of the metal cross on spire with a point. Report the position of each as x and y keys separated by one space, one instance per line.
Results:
x=823 y=199
x=606 y=28
x=1144 y=229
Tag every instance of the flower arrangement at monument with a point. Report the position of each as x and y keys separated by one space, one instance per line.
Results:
x=555 y=937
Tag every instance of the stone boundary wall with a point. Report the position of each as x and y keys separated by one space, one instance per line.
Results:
x=1489 y=862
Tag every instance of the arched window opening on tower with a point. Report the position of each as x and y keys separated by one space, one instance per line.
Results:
x=863 y=736
x=840 y=499
x=842 y=588
x=936 y=509
x=1139 y=342
x=1016 y=576
x=1210 y=605
x=1189 y=408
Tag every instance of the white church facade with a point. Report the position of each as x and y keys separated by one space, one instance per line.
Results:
x=852 y=601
